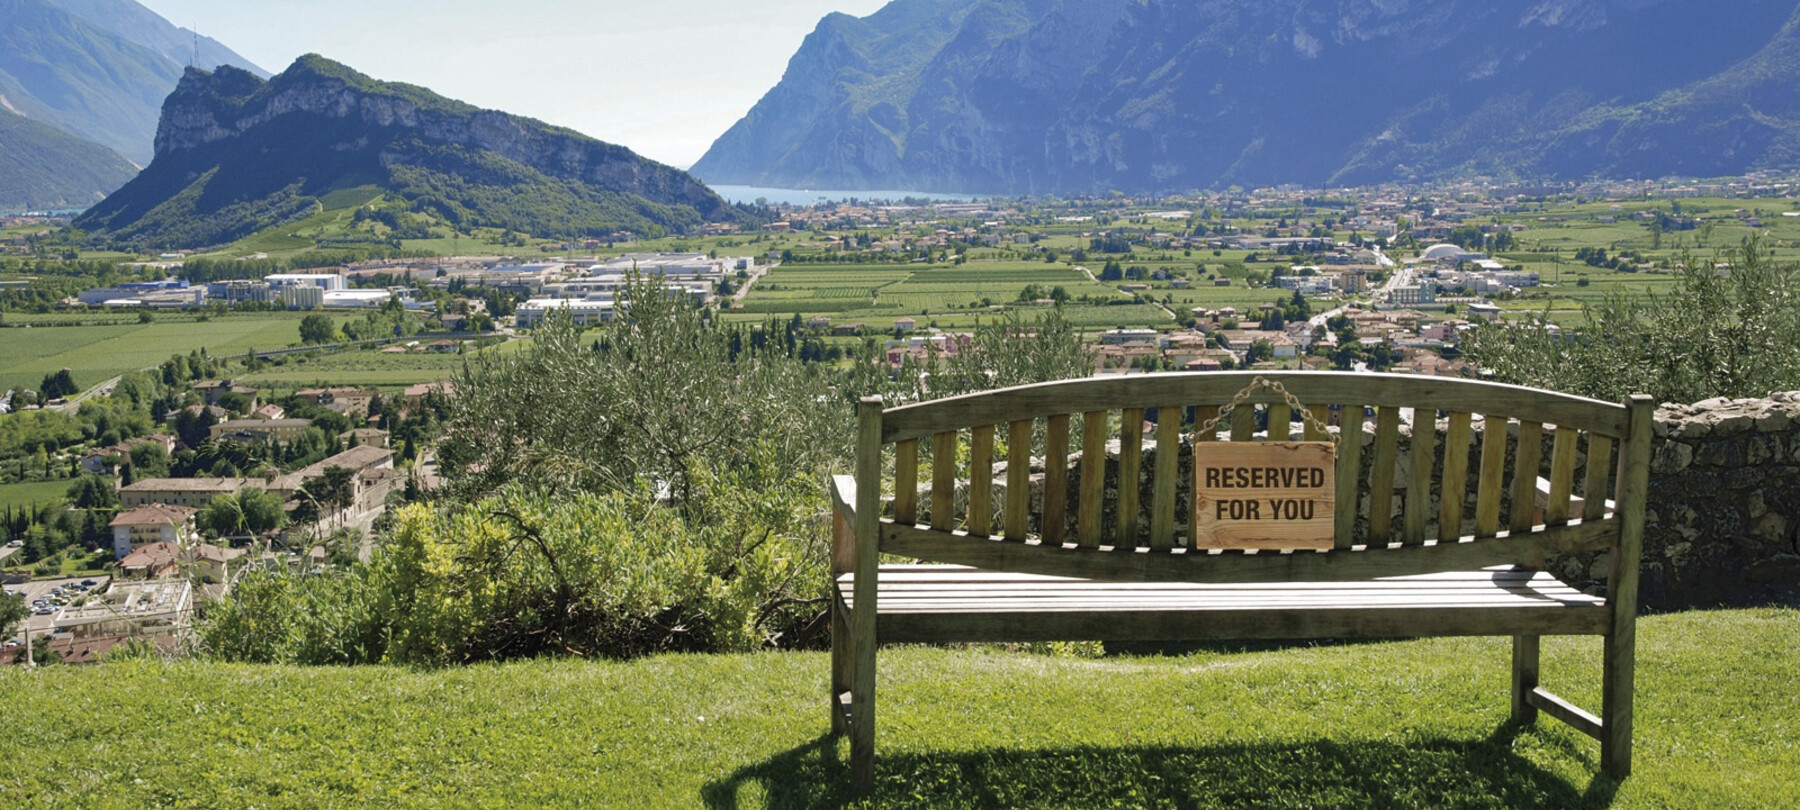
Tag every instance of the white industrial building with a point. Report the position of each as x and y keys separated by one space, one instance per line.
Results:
x=583 y=312
x=324 y=281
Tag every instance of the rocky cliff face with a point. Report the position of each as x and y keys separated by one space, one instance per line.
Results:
x=1032 y=96
x=229 y=140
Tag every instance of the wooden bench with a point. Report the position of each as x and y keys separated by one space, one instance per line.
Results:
x=1460 y=548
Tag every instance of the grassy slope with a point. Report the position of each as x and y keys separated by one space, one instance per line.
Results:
x=1410 y=724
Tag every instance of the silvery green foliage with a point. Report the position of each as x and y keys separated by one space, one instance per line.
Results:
x=1730 y=328
x=643 y=399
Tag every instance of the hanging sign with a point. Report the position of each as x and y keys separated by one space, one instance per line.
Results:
x=1264 y=495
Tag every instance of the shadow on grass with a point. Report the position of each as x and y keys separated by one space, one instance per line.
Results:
x=1441 y=773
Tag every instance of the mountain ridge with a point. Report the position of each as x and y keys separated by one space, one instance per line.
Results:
x=236 y=154
x=44 y=168
x=1063 y=96
x=96 y=69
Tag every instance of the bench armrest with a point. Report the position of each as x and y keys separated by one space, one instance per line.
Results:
x=843 y=521
x=843 y=496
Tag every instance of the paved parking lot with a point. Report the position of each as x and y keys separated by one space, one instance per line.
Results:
x=43 y=589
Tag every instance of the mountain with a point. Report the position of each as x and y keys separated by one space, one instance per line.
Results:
x=1078 y=96
x=97 y=69
x=236 y=154
x=44 y=168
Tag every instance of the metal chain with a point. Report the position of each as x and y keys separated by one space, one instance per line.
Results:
x=1293 y=402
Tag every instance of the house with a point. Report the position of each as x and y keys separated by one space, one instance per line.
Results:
x=260 y=430
x=214 y=390
x=905 y=324
x=154 y=561
x=364 y=437
x=97 y=461
x=151 y=524
x=193 y=493
x=213 y=563
x=269 y=411
x=416 y=393
x=347 y=401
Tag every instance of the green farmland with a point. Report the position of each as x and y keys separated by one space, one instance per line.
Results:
x=32 y=493
x=366 y=367
x=952 y=296
x=96 y=353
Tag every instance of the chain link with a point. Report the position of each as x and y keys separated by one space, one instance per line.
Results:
x=1259 y=383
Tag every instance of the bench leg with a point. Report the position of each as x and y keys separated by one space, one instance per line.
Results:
x=843 y=650
x=1524 y=678
x=1615 y=712
x=862 y=716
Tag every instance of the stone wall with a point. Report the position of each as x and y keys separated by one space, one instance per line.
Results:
x=1724 y=512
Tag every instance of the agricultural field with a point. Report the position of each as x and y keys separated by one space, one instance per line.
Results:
x=364 y=367
x=32 y=493
x=952 y=296
x=96 y=353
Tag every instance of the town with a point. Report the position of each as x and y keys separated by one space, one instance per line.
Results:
x=323 y=432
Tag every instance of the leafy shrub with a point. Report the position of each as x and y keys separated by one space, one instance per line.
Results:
x=523 y=574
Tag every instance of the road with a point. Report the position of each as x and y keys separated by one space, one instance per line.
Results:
x=1397 y=279
x=74 y=402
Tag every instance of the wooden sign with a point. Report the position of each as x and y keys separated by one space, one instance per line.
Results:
x=1264 y=494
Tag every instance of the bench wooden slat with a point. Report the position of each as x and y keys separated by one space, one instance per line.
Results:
x=1314 y=430
x=1418 y=485
x=1055 y=514
x=1018 y=479
x=1525 y=474
x=1131 y=463
x=1092 y=504
x=1349 y=472
x=1167 y=476
x=1599 y=469
x=1281 y=417
x=981 y=480
x=1243 y=423
x=1456 y=476
x=943 y=481
x=1381 y=476
x=906 y=481
x=1493 y=471
x=1189 y=565
x=902 y=575
x=1562 y=475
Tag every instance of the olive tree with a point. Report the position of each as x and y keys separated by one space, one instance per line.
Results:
x=1729 y=328
x=654 y=395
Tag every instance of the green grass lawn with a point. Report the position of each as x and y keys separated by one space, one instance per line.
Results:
x=1417 y=724
x=32 y=493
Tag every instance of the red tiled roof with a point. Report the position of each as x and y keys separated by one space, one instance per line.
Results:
x=155 y=514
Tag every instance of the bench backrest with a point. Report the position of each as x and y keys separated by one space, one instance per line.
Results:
x=1521 y=475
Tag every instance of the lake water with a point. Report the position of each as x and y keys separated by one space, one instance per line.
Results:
x=790 y=196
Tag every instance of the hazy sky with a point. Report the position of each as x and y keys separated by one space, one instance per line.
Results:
x=663 y=77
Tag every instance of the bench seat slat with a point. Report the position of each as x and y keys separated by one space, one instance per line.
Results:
x=970 y=605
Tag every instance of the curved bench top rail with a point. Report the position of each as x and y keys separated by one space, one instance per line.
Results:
x=1211 y=387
